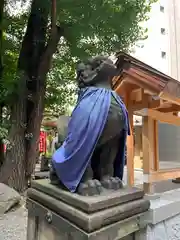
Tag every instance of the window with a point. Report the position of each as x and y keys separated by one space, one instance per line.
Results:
x=163 y=31
x=162 y=8
x=163 y=54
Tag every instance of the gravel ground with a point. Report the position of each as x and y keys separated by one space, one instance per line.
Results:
x=13 y=224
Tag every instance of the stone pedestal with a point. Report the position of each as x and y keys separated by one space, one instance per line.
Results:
x=57 y=214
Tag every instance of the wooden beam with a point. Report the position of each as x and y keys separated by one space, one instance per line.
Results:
x=125 y=87
x=141 y=108
x=130 y=144
x=164 y=117
x=169 y=98
x=138 y=141
x=145 y=76
x=156 y=146
x=148 y=144
x=142 y=112
x=142 y=105
x=154 y=104
x=140 y=81
x=161 y=175
x=145 y=103
x=130 y=153
x=168 y=108
x=148 y=149
x=137 y=95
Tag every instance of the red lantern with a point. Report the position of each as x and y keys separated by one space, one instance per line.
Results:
x=42 y=142
x=4 y=147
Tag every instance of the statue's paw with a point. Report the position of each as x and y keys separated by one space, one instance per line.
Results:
x=90 y=188
x=54 y=179
x=112 y=183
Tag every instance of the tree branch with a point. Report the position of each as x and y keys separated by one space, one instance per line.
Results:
x=56 y=33
x=53 y=18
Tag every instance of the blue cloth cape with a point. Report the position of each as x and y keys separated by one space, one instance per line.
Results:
x=84 y=130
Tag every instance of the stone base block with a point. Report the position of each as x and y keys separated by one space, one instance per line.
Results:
x=59 y=214
x=163 y=218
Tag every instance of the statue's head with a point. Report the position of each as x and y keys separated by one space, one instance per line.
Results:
x=94 y=70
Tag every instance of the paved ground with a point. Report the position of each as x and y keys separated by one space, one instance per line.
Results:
x=13 y=225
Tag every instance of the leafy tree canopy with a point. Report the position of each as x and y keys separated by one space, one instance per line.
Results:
x=89 y=28
x=86 y=28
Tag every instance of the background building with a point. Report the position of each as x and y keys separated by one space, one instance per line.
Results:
x=161 y=49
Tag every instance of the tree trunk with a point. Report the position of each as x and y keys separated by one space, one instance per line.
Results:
x=13 y=170
x=37 y=113
x=42 y=70
x=34 y=128
x=1 y=72
x=34 y=62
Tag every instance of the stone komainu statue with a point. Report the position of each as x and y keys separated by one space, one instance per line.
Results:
x=92 y=156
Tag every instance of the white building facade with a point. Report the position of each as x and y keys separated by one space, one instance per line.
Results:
x=161 y=49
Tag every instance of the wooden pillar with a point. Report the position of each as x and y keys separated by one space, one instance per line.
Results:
x=130 y=152
x=149 y=151
x=156 y=146
x=138 y=147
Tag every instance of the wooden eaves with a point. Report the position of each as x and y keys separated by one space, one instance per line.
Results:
x=156 y=97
